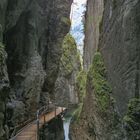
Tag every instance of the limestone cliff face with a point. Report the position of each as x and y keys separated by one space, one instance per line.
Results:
x=32 y=31
x=93 y=18
x=97 y=118
x=4 y=80
x=70 y=65
x=119 y=48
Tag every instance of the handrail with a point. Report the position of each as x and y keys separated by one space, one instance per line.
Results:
x=39 y=114
x=36 y=116
x=12 y=138
x=21 y=125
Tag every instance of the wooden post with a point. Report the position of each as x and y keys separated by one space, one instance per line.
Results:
x=62 y=109
x=55 y=110
x=44 y=119
x=48 y=105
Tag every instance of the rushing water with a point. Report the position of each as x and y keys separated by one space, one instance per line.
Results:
x=66 y=125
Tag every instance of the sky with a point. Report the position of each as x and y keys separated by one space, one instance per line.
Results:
x=77 y=13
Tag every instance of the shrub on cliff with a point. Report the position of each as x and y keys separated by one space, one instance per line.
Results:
x=102 y=89
x=77 y=113
x=81 y=85
x=69 y=55
x=81 y=90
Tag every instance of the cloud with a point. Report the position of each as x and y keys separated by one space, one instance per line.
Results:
x=80 y=1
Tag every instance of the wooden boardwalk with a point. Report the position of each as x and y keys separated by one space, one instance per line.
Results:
x=29 y=132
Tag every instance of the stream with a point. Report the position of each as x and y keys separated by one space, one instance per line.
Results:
x=66 y=125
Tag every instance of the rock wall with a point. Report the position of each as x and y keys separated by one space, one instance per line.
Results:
x=120 y=50
x=93 y=18
x=97 y=119
x=4 y=80
x=70 y=65
x=4 y=90
x=32 y=31
x=120 y=46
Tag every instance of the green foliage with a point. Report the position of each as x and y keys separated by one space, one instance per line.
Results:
x=132 y=118
x=102 y=89
x=1 y=52
x=76 y=114
x=101 y=25
x=69 y=55
x=133 y=108
x=66 y=21
x=81 y=84
x=81 y=89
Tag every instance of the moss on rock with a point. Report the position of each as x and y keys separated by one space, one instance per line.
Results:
x=132 y=119
x=66 y=21
x=97 y=74
x=77 y=113
x=81 y=84
x=102 y=89
x=69 y=53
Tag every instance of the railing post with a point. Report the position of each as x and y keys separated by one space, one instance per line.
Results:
x=37 y=125
x=44 y=119
x=48 y=106
x=55 y=110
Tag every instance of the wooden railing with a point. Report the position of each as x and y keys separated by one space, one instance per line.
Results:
x=43 y=110
x=40 y=118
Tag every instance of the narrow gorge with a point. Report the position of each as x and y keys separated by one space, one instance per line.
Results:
x=67 y=73
x=111 y=105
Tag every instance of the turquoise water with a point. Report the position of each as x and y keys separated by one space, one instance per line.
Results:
x=66 y=125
